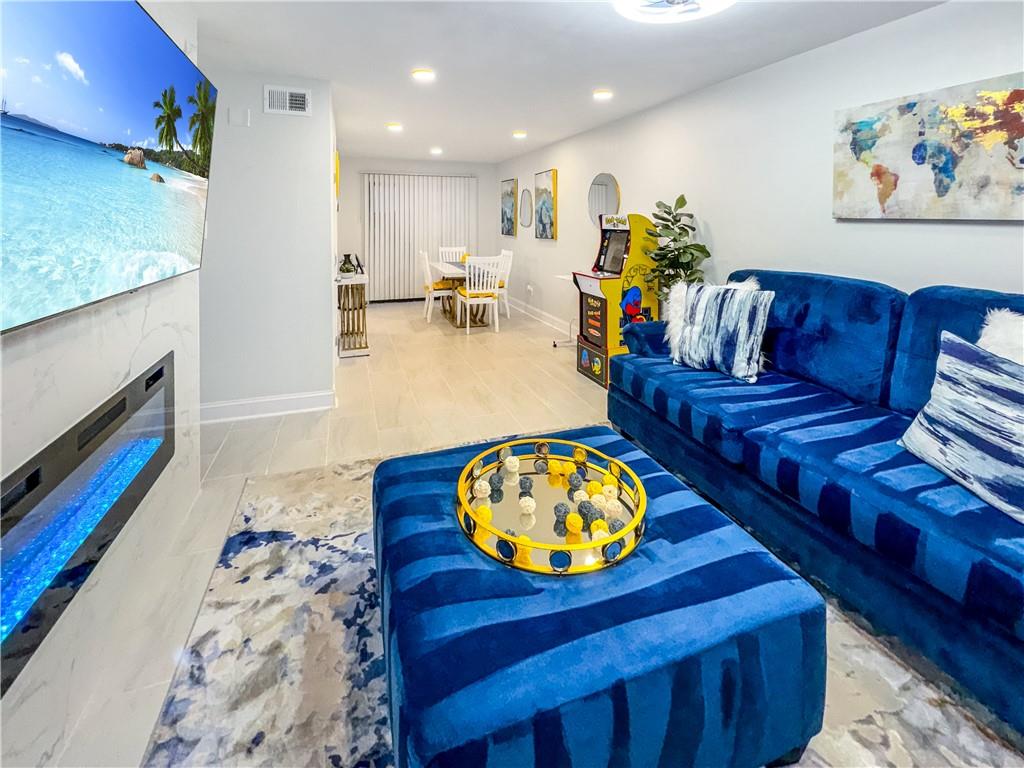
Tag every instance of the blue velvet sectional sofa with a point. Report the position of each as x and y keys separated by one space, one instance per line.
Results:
x=807 y=459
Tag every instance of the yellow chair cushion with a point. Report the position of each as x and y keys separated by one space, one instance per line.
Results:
x=442 y=285
x=464 y=257
x=501 y=283
x=478 y=295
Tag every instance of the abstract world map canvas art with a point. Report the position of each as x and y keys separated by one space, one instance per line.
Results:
x=955 y=153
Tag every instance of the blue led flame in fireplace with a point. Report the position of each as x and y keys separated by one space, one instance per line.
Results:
x=27 y=573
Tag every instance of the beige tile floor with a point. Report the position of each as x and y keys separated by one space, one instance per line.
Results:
x=423 y=386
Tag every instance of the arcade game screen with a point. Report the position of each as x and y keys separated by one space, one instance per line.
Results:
x=615 y=254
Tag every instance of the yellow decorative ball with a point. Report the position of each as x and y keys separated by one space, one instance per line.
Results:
x=523 y=551
x=598 y=526
x=593 y=488
x=573 y=522
x=480 y=535
x=555 y=481
x=608 y=479
x=554 y=466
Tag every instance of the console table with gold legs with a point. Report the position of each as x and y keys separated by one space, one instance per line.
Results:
x=352 y=339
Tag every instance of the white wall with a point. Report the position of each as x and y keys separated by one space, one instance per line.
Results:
x=265 y=286
x=754 y=157
x=51 y=375
x=350 y=217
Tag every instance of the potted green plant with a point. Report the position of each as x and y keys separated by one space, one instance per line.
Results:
x=675 y=258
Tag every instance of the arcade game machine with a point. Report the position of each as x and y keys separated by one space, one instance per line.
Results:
x=614 y=293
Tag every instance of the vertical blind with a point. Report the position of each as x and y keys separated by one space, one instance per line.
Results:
x=404 y=214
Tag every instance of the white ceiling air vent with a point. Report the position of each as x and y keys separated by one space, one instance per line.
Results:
x=285 y=100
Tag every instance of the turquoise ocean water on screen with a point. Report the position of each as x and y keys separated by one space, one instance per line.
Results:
x=79 y=224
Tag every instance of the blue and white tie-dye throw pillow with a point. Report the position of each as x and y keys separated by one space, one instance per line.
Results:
x=972 y=428
x=724 y=328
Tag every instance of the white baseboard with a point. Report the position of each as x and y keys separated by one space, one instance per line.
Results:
x=256 y=407
x=559 y=324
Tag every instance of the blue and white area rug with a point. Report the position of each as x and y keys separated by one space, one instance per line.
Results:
x=284 y=666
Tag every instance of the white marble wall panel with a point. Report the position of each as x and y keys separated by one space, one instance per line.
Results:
x=51 y=375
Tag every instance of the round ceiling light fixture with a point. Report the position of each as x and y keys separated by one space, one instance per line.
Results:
x=518 y=134
x=424 y=75
x=603 y=94
x=393 y=127
x=670 y=11
x=436 y=151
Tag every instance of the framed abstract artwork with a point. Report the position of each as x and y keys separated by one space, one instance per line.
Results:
x=545 y=205
x=509 y=201
x=954 y=153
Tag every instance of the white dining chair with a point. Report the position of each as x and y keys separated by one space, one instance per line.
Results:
x=503 y=275
x=480 y=288
x=451 y=253
x=432 y=286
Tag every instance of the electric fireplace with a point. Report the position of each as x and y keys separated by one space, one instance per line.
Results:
x=63 y=508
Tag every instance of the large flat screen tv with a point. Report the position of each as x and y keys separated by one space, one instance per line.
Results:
x=107 y=134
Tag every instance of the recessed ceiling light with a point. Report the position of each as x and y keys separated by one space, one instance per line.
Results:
x=424 y=75
x=602 y=94
x=670 y=11
x=518 y=134
x=394 y=127
x=436 y=151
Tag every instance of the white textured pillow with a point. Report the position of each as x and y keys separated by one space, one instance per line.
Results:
x=676 y=312
x=1003 y=334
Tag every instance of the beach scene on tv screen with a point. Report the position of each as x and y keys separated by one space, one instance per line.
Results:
x=106 y=132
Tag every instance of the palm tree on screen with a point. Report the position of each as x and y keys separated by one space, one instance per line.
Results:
x=166 y=124
x=201 y=121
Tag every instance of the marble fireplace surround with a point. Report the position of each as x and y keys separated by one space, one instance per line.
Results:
x=118 y=636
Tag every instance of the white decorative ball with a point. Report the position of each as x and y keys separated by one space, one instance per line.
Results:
x=598 y=535
x=512 y=464
x=579 y=496
x=527 y=520
x=600 y=502
x=611 y=492
x=528 y=504
x=481 y=488
x=615 y=508
x=511 y=478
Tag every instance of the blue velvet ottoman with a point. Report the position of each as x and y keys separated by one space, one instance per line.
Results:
x=700 y=648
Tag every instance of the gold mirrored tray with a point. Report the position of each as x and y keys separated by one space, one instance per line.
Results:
x=551 y=506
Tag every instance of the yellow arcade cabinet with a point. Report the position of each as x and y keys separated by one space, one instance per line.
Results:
x=614 y=293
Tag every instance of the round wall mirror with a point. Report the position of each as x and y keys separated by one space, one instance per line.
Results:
x=603 y=196
x=526 y=208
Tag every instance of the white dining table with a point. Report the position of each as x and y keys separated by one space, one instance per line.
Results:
x=450 y=269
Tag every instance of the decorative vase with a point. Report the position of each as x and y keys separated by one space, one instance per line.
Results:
x=346 y=270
